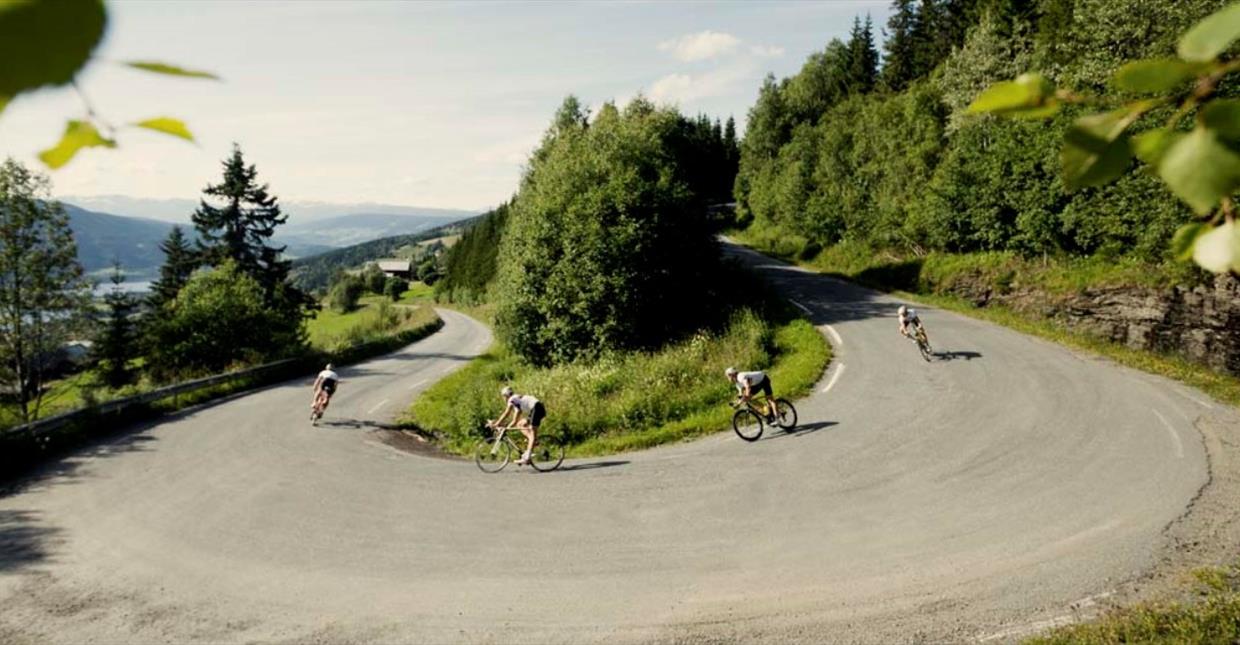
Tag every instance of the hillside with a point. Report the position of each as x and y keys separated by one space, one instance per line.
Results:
x=315 y=272
x=102 y=237
x=347 y=230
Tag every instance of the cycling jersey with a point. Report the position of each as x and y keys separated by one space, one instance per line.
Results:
x=757 y=381
x=530 y=406
x=523 y=402
x=328 y=380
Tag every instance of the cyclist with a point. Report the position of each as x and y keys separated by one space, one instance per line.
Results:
x=324 y=388
x=750 y=383
x=527 y=414
x=909 y=317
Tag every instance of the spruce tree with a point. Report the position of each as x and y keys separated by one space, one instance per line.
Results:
x=862 y=58
x=900 y=63
x=116 y=344
x=241 y=228
x=180 y=261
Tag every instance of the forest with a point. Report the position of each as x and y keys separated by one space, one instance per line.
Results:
x=884 y=156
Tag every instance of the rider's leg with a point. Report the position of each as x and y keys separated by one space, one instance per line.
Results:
x=529 y=432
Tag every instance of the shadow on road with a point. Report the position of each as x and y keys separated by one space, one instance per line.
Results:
x=24 y=541
x=336 y=422
x=800 y=430
x=592 y=465
x=951 y=356
x=68 y=469
x=412 y=356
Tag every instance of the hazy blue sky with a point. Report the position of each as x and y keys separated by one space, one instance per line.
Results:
x=427 y=104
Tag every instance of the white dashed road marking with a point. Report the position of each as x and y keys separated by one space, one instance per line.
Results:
x=834 y=377
x=835 y=336
x=1175 y=436
x=377 y=406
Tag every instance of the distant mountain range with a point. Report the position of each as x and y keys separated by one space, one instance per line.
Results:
x=101 y=238
x=134 y=237
x=178 y=211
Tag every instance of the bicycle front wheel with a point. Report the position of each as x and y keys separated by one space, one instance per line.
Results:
x=548 y=454
x=490 y=456
x=747 y=424
x=786 y=415
x=923 y=346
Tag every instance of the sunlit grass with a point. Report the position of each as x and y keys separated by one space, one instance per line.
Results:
x=632 y=400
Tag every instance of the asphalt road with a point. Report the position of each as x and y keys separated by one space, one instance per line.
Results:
x=971 y=498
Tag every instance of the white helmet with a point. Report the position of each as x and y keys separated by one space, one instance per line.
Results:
x=506 y=391
x=912 y=313
x=902 y=310
x=730 y=372
x=329 y=366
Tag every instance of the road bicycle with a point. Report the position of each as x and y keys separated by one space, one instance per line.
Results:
x=493 y=453
x=749 y=420
x=923 y=343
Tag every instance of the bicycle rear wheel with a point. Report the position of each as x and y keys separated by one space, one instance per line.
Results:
x=786 y=415
x=548 y=453
x=923 y=346
x=490 y=456
x=747 y=424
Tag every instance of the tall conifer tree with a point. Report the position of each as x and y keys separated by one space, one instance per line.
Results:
x=116 y=344
x=241 y=228
x=180 y=261
x=900 y=63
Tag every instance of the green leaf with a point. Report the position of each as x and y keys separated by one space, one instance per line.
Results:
x=1030 y=95
x=1223 y=116
x=1151 y=145
x=1212 y=36
x=1155 y=76
x=1096 y=152
x=172 y=70
x=1219 y=249
x=78 y=135
x=167 y=125
x=1185 y=237
x=46 y=43
x=1200 y=169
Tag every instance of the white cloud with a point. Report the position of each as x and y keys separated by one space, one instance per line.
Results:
x=766 y=51
x=700 y=46
x=686 y=88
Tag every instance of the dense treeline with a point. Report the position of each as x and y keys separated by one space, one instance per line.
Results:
x=885 y=157
x=469 y=266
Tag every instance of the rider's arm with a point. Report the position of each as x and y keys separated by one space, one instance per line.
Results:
x=500 y=420
x=318 y=381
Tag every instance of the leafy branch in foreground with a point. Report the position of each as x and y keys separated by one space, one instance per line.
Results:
x=1199 y=161
x=54 y=40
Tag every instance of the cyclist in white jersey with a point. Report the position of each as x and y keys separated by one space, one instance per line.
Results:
x=750 y=383
x=324 y=387
x=908 y=317
x=527 y=414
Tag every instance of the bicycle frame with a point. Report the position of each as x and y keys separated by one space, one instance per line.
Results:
x=499 y=434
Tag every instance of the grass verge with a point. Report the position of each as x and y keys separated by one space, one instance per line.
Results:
x=632 y=400
x=1213 y=616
